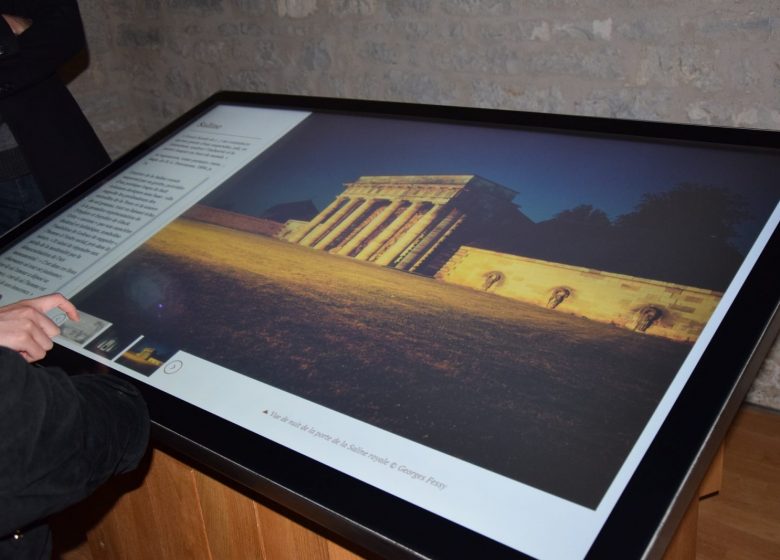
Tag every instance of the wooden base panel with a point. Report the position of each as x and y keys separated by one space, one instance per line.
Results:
x=169 y=510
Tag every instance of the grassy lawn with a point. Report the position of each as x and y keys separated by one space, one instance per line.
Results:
x=546 y=398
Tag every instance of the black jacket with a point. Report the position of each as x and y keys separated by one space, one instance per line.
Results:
x=60 y=146
x=61 y=437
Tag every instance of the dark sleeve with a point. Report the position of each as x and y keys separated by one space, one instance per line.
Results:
x=61 y=437
x=9 y=45
x=55 y=36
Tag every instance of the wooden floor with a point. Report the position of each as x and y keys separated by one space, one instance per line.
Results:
x=742 y=522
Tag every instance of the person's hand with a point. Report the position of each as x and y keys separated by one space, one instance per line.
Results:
x=17 y=24
x=24 y=326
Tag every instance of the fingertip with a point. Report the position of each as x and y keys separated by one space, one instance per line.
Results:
x=27 y=356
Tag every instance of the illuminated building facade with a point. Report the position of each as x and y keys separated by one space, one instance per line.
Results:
x=411 y=223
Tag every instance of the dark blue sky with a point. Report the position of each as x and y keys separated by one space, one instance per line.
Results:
x=551 y=172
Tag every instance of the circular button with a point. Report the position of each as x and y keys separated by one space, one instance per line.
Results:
x=173 y=366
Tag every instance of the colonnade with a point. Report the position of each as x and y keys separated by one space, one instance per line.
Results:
x=391 y=221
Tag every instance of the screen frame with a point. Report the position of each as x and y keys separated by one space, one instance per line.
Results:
x=645 y=516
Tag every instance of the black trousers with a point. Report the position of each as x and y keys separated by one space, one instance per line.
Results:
x=61 y=437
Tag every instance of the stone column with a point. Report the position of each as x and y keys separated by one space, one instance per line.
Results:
x=410 y=236
x=389 y=231
x=434 y=239
x=303 y=231
x=356 y=213
x=369 y=228
x=314 y=234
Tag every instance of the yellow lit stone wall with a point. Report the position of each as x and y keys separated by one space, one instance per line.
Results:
x=600 y=296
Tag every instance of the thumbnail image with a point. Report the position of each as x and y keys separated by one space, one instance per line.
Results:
x=146 y=356
x=110 y=342
x=84 y=329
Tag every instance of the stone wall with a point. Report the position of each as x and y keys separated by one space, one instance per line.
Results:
x=699 y=61
x=605 y=297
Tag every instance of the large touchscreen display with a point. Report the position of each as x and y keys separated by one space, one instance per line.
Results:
x=488 y=322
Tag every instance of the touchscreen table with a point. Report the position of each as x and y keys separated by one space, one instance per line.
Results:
x=436 y=330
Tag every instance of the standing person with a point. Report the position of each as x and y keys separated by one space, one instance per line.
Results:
x=61 y=436
x=47 y=146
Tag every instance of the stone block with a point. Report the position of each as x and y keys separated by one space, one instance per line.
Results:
x=295 y=8
x=479 y=8
x=138 y=36
x=345 y=8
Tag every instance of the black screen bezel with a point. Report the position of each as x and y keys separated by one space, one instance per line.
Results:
x=653 y=501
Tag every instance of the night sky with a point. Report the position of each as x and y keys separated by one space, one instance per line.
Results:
x=551 y=172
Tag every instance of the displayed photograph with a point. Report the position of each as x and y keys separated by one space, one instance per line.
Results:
x=520 y=300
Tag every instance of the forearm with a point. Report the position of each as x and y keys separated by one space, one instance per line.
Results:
x=16 y=24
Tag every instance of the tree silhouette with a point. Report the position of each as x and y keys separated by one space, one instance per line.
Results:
x=576 y=236
x=683 y=235
x=584 y=214
x=689 y=210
